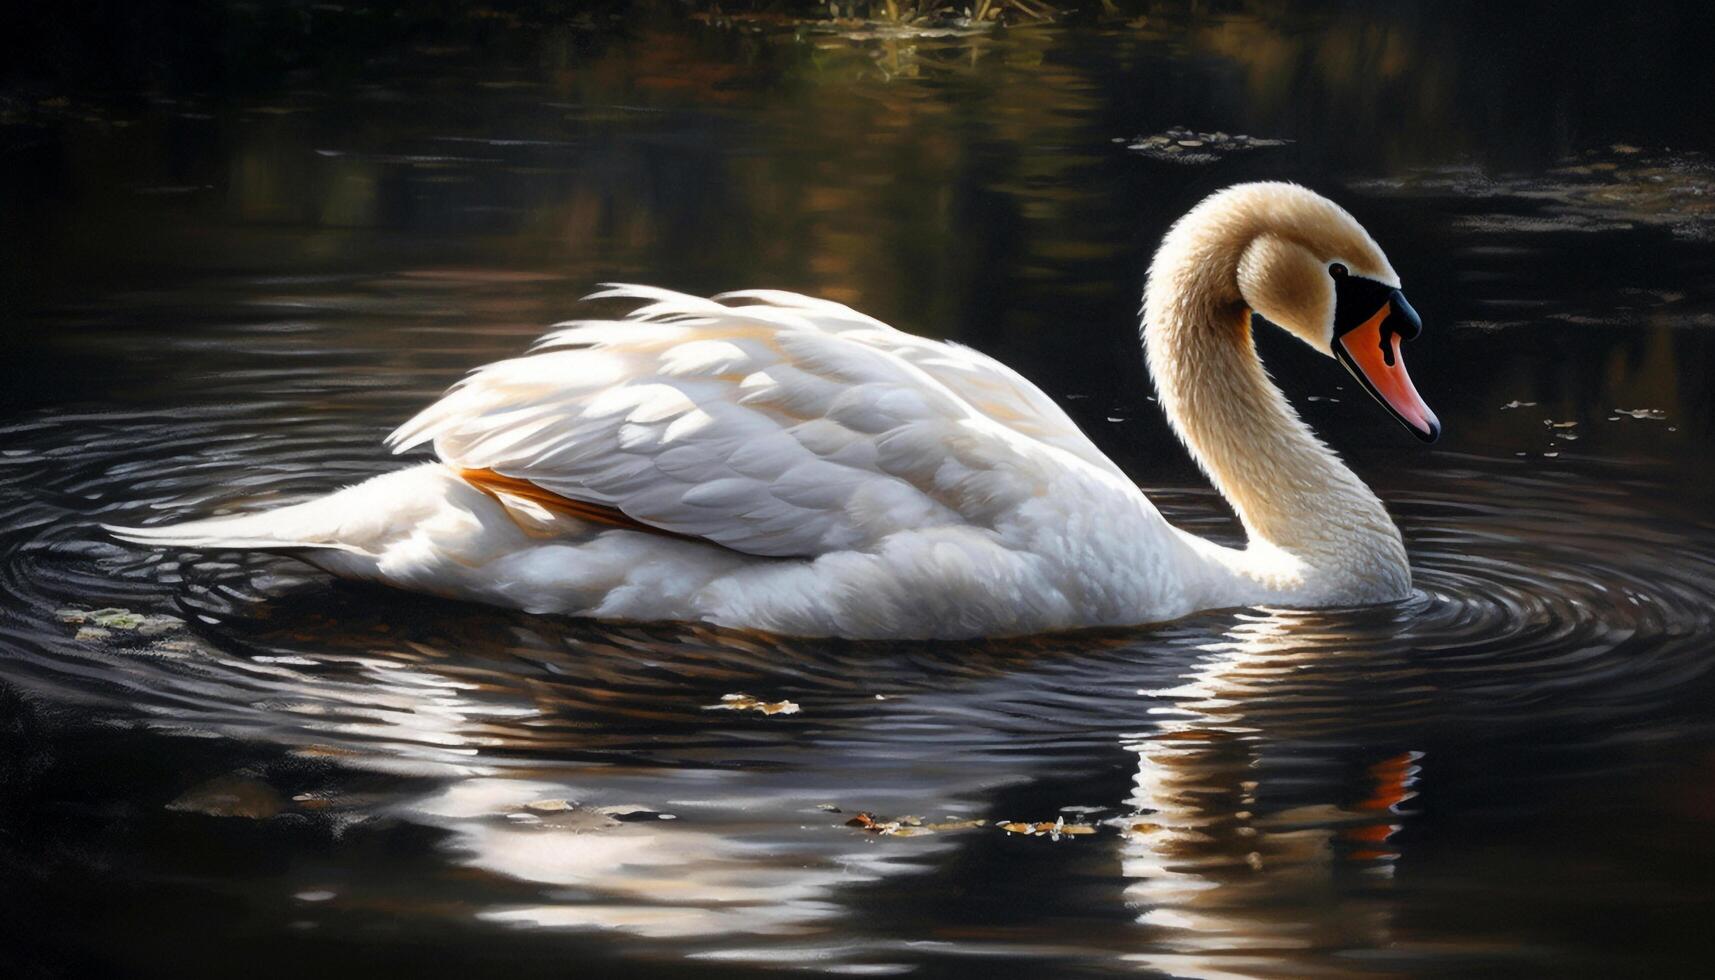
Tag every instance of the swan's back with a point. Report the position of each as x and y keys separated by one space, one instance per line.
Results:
x=778 y=425
x=770 y=461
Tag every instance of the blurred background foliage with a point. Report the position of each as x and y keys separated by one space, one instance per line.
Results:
x=236 y=46
x=963 y=175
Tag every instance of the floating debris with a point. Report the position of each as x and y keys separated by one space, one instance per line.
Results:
x=1181 y=145
x=907 y=826
x=1515 y=403
x=562 y=815
x=1558 y=425
x=633 y=812
x=1652 y=414
x=577 y=820
x=312 y=801
x=570 y=815
x=744 y=702
x=103 y=623
x=549 y=806
x=1053 y=831
x=897 y=827
x=1615 y=188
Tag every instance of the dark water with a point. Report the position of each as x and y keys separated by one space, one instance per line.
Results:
x=223 y=294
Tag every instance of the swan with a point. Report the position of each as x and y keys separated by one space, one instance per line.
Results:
x=766 y=460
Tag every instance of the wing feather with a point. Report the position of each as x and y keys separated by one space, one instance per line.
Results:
x=989 y=386
x=771 y=423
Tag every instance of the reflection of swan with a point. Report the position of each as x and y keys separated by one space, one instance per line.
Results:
x=506 y=713
x=1229 y=882
x=648 y=878
x=790 y=464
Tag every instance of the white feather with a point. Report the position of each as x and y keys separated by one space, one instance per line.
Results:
x=834 y=476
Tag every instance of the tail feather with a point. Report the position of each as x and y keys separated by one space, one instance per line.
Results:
x=361 y=520
x=247 y=533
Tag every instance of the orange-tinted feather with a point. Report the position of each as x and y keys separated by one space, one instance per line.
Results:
x=494 y=484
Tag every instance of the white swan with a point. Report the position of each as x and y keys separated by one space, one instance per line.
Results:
x=772 y=461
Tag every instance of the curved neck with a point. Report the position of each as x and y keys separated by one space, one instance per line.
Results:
x=1289 y=490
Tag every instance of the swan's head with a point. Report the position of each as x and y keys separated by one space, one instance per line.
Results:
x=1310 y=268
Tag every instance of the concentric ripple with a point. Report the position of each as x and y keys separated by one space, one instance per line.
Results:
x=1531 y=589
x=1517 y=604
x=1219 y=770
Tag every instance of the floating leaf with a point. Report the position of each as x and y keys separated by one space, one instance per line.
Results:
x=907 y=826
x=1054 y=830
x=548 y=806
x=744 y=702
x=897 y=827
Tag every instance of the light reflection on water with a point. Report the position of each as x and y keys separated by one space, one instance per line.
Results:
x=1272 y=793
x=1269 y=759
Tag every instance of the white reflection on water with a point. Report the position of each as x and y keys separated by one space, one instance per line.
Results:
x=657 y=878
x=1226 y=885
x=1272 y=752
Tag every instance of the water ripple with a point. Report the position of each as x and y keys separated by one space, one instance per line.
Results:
x=1555 y=614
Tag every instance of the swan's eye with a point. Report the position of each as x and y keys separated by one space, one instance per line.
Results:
x=1337 y=270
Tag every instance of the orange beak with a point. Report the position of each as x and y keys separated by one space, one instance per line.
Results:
x=1370 y=349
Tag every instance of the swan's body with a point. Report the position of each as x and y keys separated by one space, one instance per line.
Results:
x=783 y=463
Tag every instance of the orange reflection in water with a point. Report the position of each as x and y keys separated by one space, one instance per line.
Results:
x=1226 y=883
